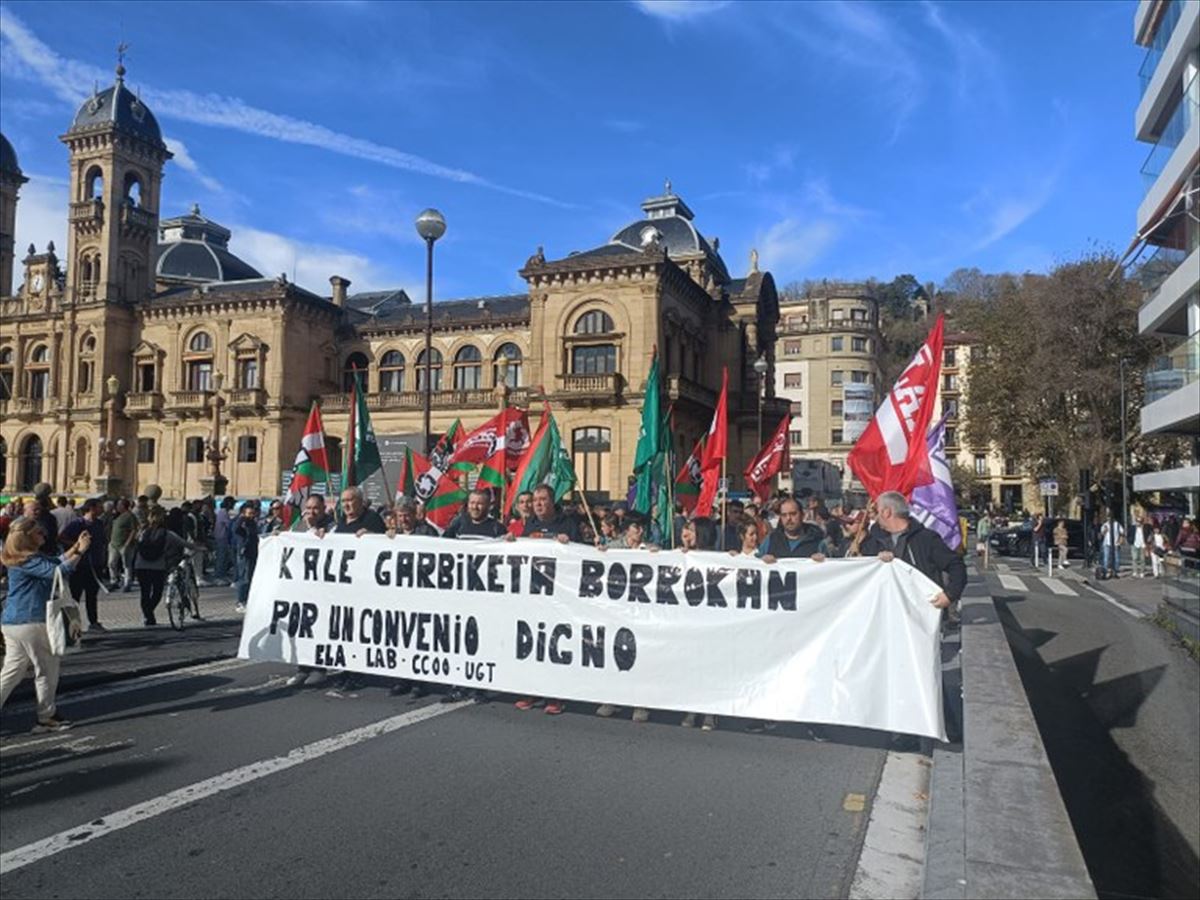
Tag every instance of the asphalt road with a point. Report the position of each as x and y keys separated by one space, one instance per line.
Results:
x=222 y=782
x=1118 y=706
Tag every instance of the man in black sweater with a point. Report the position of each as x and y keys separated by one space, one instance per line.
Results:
x=897 y=534
x=477 y=523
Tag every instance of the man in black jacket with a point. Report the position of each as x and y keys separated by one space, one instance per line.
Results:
x=896 y=534
x=477 y=523
x=793 y=537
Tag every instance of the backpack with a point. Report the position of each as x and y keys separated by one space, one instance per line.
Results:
x=151 y=548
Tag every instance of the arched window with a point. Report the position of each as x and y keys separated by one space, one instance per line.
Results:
x=391 y=372
x=39 y=373
x=133 y=189
x=94 y=184
x=6 y=373
x=512 y=377
x=198 y=362
x=468 y=368
x=432 y=371
x=88 y=344
x=85 y=271
x=3 y=464
x=595 y=322
x=598 y=358
x=30 y=463
x=87 y=364
x=81 y=458
x=355 y=363
x=590 y=450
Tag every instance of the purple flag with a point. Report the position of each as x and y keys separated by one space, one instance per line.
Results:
x=933 y=504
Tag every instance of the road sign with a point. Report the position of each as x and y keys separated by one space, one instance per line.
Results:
x=1049 y=487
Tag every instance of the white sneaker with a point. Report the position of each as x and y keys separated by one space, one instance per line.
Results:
x=710 y=723
x=689 y=721
x=640 y=714
x=606 y=710
x=239 y=607
x=298 y=679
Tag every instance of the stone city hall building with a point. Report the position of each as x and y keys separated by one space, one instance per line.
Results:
x=152 y=328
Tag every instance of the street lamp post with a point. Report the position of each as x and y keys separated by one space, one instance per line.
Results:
x=431 y=225
x=112 y=450
x=215 y=483
x=760 y=367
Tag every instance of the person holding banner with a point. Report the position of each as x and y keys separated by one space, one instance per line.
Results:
x=897 y=534
x=404 y=515
x=793 y=538
x=313 y=520
x=357 y=519
x=477 y=523
x=522 y=513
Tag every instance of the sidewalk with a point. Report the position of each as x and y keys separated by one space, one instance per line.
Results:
x=121 y=611
x=1143 y=594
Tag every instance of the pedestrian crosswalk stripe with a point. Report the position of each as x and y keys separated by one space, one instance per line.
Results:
x=1012 y=582
x=1058 y=587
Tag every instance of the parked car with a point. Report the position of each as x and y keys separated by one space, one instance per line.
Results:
x=1017 y=541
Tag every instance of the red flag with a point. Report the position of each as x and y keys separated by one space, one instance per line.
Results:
x=715 y=445
x=690 y=478
x=507 y=430
x=529 y=458
x=891 y=454
x=771 y=460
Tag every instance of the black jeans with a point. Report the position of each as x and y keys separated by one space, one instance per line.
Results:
x=84 y=581
x=151 y=582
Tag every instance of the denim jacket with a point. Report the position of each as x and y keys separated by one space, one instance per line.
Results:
x=29 y=586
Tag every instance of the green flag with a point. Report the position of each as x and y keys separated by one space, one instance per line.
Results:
x=360 y=459
x=561 y=476
x=649 y=440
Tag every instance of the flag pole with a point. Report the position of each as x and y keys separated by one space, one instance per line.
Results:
x=587 y=509
x=724 y=496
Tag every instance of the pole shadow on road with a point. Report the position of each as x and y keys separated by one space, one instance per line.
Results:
x=21 y=790
x=1131 y=846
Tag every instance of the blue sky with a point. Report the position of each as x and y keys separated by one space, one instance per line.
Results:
x=843 y=140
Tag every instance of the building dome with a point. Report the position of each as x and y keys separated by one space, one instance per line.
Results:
x=8 y=158
x=668 y=223
x=194 y=250
x=120 y=108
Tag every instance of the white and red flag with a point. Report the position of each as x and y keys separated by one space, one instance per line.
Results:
x=892 y=455
x=715 y=445
x=771 y=460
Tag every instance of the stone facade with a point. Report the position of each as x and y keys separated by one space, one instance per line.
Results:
x=151 y=310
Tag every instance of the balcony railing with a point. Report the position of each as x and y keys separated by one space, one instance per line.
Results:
x=1162 y=37
x=680 y=388
x=246 y=400
x=1159 y=267
x=189 y=401
x=1182 y=121
x=28 y=406
x=415 y=400
x=88 y=212
x=601 y=386
x=1175 y=370
x=823 y=326
x=140 y=405
x=136 y=217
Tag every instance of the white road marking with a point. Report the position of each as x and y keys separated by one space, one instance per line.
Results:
x=185 y=796
x=1057 y=586
x=139 y=684
x=893 y=852
x=1137 y=614
x=1002 y=567
x=1012 y=582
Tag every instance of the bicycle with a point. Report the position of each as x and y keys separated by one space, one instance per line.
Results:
x=182 y=593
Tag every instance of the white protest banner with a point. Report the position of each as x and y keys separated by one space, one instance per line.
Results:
x=850 y=642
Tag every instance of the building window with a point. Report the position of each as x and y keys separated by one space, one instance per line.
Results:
x=81 y=458
x=85 y=376
x=949 y=382
x=1010 y=468
x=950 y=408
x=835 y=407
x=468 y=368
x=793 y=380
x=835 y=436
x=836 y=376
x=31 y=463
x=145 y=377
x=981 y=467
x=391 y=372
x=431 y=370
x=797 y=438
x=145 y=450
x=247 y=448
x=512 y=376
x=199 y=375
x=201 y=342
x=951 y=437
x=859 y=345
x=835 y=344
x=600 y=359
x=356 y=364
x=39 y=384
x=949 y=357
x=793 y=348
x=595 y=322
x=839 y=315
x=590 y=450
x=6 y=373
x=247 y=373
x=194 y=449
x=858 y=314
x=859 y=377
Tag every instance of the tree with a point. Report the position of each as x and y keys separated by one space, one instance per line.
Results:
x=1044 y=382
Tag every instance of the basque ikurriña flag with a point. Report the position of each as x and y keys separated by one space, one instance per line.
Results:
x=771 y=460
x=690 y=478
x=891 y=454
x=933 y=504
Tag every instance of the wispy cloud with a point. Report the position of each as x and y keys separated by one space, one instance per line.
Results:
x=310 y=265
x=184 y=160
x=759 y=172
x=790 y=245
x=28 y=57
x=1003 y=210
x=680 y=10
x=976 y=66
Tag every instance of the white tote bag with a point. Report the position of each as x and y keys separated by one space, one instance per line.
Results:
x=62 y=618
